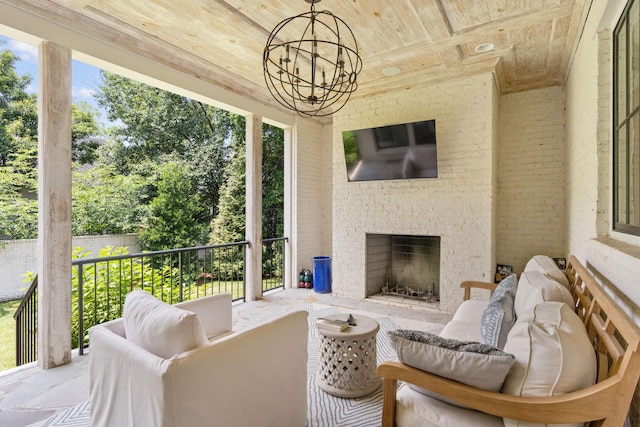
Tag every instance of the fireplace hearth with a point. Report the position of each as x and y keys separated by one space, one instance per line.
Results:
x=403 y=266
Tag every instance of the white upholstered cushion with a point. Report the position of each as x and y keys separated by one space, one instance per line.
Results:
x=535 y=287
x=213 y=311
x=160 y=328
x=416 y=409
x=546 y=265
x=553 y=354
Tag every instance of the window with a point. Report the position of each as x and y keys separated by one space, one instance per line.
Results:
x=626 y=116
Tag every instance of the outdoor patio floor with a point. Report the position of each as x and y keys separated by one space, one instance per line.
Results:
x=30 y=395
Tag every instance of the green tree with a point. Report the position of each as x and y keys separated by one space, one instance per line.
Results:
x=272 y=181
x=154 y=123
x=18 y=110
x=229 y=224
x=85 y=133
x=105 y=202
x=18 y=153
x=175 y=214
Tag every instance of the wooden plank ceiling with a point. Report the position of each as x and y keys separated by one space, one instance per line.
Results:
x=429 y=40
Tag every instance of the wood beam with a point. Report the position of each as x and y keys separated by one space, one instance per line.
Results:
x=54 y=206
x=253 y=209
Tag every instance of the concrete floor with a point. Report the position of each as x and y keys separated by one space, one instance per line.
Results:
x=30 y=395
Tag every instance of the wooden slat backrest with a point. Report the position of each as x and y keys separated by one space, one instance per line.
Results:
x=615 y=337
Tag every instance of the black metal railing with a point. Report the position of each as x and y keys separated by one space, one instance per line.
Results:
x=26 y=317
x=99 y=285
x=273 y=262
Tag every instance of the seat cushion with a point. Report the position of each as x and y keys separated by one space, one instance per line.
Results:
x=471 y=363
x=553 y=354
x=416 y=409
x=499 y=315
x=535 y=287
x=546 y=265
x=160 y=328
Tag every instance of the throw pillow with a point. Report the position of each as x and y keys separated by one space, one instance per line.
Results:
x=535 y=287
x=160 y=328
x=553 y=354
x=472 y=363
x=499 y=316
x=546 y=265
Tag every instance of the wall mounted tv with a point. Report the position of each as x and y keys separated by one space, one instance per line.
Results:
x=402 y=151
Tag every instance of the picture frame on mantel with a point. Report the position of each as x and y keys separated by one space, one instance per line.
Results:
x=502 y=271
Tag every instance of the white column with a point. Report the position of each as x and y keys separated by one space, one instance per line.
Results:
x=254 y=206
x=290 y=231
x=54 y=206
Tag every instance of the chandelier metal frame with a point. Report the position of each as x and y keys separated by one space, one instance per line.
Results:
x=312 y=76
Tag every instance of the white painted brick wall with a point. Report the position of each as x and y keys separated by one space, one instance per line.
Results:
x=589 y=159
x=312 y=178
x=458 y=206
x=531 y=211
x=18 y=257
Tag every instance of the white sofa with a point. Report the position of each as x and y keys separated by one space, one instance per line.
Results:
x=184 y=366
x=543 y=350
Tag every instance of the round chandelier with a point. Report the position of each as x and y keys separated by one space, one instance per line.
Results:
x=315 y=73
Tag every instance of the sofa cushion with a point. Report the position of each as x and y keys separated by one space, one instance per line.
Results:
x=546 y=265
x=472 y=363
x=553 y=354
x=499 y=316
x=417 y=409
x=160 y=328
x=535 y=287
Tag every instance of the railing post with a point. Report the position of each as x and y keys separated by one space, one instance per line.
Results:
x=80 y=310
x=244 y=271
x=18 y=340
x=180 y=277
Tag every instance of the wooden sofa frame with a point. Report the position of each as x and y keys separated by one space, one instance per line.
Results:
x=616 y=341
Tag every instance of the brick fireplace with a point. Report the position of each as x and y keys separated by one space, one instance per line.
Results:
x=458 y=207
x=403 y=266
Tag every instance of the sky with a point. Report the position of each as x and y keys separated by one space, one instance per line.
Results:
x=84 y=78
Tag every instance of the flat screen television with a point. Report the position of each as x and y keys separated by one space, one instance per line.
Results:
x=402 y=151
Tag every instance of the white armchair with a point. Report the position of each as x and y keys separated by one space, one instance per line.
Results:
x=257 y=376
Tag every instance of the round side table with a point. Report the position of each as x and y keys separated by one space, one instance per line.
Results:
x=348 y=358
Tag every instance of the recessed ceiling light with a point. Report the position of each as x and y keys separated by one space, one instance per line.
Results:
x=485 y=47
x=391 y=71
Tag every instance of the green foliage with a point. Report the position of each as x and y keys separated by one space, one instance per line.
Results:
x=18 y=110
x=272 y=181
x=8 y=334
x=85 y=133
x=175 y=214
x=106 y=284
x=105 y=202
x=19 y=150
x=155 y=124
x=229 y=224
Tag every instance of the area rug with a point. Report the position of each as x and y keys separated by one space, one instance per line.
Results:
x=324 y=410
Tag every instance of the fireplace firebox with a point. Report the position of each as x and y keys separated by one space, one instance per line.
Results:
x=403 y=266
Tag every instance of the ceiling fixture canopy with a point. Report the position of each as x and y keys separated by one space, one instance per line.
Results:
x=311 y=63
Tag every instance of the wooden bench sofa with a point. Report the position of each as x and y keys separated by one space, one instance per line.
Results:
x=616 y=343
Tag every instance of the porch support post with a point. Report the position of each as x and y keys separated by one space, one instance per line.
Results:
x=54 y=206
x=253 y=178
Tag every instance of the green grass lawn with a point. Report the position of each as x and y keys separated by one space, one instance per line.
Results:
x=8 y=334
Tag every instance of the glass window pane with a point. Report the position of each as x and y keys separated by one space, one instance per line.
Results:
x=621 y=76
x=634 y=62
x=634 y=171
x=622 y=176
